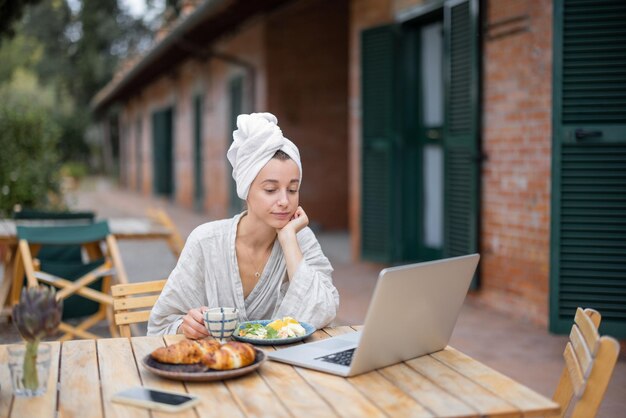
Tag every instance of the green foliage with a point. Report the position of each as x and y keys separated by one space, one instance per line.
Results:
x=69 y=54
x=10 y=12
x=29 y=167
x=74 y=169
x=20 y=52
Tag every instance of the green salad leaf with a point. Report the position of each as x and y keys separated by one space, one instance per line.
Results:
x=271 y=333
x=255 y=329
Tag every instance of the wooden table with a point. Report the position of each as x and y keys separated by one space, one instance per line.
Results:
x=446 y=383
x=121 y=228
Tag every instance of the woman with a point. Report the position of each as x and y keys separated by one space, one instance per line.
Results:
x=265 y=261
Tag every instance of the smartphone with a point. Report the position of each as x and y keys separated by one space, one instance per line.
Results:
x=157 y=399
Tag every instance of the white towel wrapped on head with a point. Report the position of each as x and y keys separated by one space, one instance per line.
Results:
x=255 y=142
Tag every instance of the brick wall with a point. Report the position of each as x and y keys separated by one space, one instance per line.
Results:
x=299 y=56
x=515 y=200
x=307 y=62
x=515 y=236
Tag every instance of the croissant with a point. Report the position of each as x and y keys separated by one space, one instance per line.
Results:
x=231 y=355
x=185 y=352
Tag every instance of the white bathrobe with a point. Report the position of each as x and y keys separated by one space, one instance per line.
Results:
x=207 y=274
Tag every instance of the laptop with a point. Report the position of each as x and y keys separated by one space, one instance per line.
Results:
x=412 y=313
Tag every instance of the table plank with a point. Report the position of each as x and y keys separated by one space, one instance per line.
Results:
x=381 y=391
x=256 y=398
x=79 y=373
x=137 y=228
x=216 y=398
x=515 y=393
x=118 y=371
x=45 y=405
x=142 y=346
x=299 y=398
x=485 y=402
x=427 y=393
x=342 y=396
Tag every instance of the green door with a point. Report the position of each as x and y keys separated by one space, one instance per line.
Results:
x=422 y=146
x=235 y=93
x=198 y=184
x=588 y=224
x=139 y=154
x=162 y=146
x=381 y=179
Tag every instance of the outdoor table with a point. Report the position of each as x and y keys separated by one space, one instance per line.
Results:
x=85 y=374
x=121 y=228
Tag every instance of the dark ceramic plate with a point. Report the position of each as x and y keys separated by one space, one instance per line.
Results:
x=310 y=329
x=199 y=372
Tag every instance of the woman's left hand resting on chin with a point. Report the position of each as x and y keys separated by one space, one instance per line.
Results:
x=289 y=242
x=298 y=221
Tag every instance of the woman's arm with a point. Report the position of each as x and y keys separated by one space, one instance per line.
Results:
x=289 y=241
x=310 y=295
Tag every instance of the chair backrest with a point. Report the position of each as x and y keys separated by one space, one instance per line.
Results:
x=33 y=217
x=589 y=363
x=133 y=302
x=57 y=250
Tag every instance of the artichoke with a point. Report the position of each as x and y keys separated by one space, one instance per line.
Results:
x=37 y=315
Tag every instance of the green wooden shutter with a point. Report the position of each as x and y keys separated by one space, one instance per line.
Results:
x=139 y=154
x=380 y=175
x=235 y=92
x=588 y=228
x=163 y=179
x=198 y=193
x=461 y=145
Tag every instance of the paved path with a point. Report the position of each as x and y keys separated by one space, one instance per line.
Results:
x=523 y=351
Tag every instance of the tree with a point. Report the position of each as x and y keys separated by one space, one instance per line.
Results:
x=10 y=12
x=74 y=52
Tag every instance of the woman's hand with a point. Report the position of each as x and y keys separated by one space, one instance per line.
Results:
x=289 y=242
x=193 y=324
x=298 y=221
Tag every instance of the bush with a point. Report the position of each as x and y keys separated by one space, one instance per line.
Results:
x=29 y=164
x=75 y=169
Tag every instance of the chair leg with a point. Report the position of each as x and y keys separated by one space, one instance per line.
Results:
x=113 y=329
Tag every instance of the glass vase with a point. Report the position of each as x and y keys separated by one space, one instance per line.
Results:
x=29 y=371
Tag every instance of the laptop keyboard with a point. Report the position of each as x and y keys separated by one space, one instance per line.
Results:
x=342 y=357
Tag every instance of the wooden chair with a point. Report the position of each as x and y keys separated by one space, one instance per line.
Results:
x=131 y=300
x=34 y=217
x=175 y=241
x=82 y=284
x=589 y=363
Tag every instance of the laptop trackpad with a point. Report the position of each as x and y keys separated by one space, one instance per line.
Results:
x=334 y=344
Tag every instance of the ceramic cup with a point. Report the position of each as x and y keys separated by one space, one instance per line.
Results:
x=221 y=322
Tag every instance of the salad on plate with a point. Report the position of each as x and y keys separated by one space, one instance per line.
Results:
x=287 y=327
